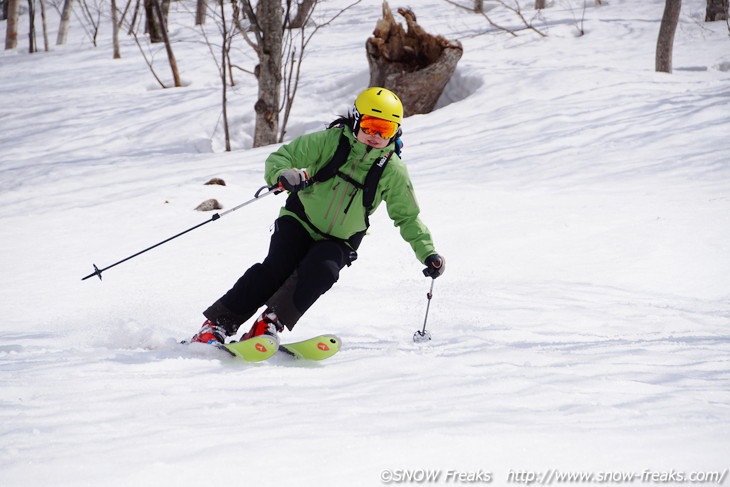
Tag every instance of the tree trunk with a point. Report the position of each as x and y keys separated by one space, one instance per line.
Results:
x=414 y=64
x=303 y=11
x=163 y=30
x=115 y=30
x=135 y=14
x=46 y=44
x=479 y=6
x=539 y=4
x=32 y=47
x=665 y=42
x=157 y=23
x=716 y=10
x=65 y=21
x=225 y=46
x=269 y=15
x=11 y=34
x=200 y=13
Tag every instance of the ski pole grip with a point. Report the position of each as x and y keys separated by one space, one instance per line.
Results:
x=274 y=188
x=279 y=187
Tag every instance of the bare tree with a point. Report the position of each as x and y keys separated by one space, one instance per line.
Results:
x=147 y=60
x=11 y=33
x=162 y=21
x=221 y=54
x=115 y=30
x=65 y=22
x=516 y=9
x=266 y=25
x=280 y=52
x=295 y=43
x=135 y=16
x=304 y=11
x=92 y=14
x=200 y=11
x=46 y=44
x=266 y=28
x=31 y=27
x=224 y=68
x=118 y=23
x=539 y=4
x=580 y=22
x=156 y=22
x=665 y=42
x=716 y=10
x=134 y=26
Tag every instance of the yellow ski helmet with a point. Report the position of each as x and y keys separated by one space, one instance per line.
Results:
x=380 y=103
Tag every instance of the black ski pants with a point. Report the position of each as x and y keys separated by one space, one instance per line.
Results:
x=294 y=274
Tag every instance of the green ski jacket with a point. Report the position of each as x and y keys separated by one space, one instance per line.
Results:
x=335 y=206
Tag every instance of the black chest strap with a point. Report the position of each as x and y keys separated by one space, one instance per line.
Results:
x=369 y=186
x=332 y=169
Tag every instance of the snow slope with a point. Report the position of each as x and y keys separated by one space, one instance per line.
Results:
x=581 y=199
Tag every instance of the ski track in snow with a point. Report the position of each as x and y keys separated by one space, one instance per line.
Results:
x=582 y=202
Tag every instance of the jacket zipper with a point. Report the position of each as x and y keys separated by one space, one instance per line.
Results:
x=332 y=201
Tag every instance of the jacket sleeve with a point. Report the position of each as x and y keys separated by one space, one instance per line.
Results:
x=403 y=209
x=308 y=152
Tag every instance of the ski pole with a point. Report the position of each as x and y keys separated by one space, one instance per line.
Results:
x=270 y=190
x=422 y=335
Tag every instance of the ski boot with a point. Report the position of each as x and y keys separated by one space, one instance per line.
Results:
x=267 y=324
x=210 y=333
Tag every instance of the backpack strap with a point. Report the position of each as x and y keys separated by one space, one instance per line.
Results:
x=338 y=159
x=372 y=179
x=332 y=169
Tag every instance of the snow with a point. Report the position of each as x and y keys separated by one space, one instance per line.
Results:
x=581 y=199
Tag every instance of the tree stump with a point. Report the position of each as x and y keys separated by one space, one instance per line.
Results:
x=414 y=64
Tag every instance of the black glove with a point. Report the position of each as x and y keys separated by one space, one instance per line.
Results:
x=435 y=266
x=294 y=180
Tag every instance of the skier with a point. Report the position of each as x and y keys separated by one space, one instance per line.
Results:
x=355 y=166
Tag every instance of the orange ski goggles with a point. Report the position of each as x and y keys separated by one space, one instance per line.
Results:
x=374 y=126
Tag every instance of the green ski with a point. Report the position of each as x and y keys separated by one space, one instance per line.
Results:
x=262 y=347
x=317 y=348
x=254 y=349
